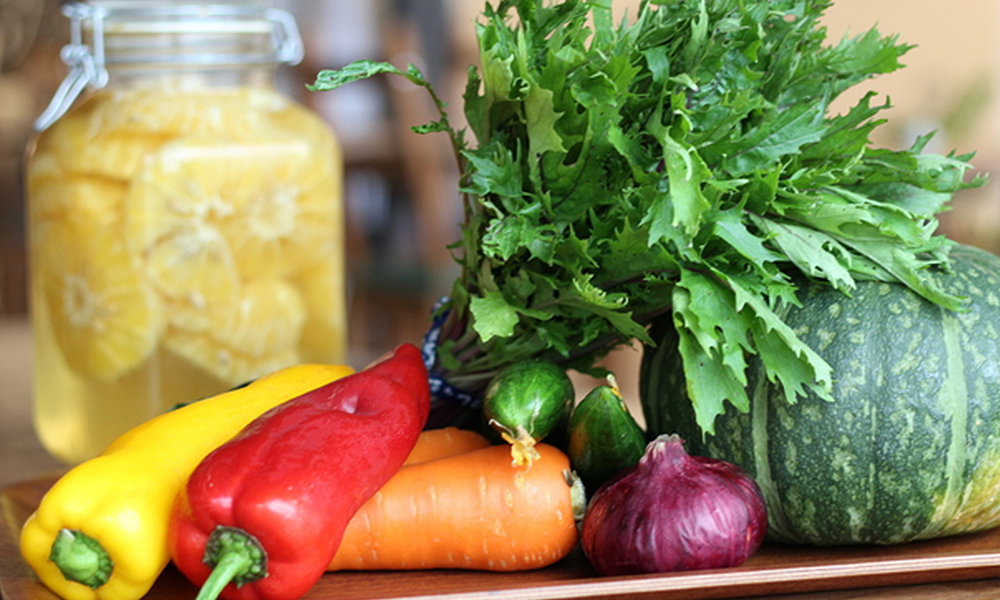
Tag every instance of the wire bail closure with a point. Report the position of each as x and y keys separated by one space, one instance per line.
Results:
x=88 y=64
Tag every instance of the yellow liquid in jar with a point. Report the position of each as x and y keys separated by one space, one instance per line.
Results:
x=180 y=244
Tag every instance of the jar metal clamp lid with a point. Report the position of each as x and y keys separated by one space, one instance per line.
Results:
x=93 y=23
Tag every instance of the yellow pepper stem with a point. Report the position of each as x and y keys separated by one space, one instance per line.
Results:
x=235 y=556
x=81 y=558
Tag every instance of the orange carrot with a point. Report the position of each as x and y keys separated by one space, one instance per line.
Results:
x=448 y=441
x=469 y=511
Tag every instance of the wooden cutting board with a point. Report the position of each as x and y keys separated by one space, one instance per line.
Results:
x=775 y=569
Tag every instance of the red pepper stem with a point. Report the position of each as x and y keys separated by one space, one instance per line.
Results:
x=235 y=557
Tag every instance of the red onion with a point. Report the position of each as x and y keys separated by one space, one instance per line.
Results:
x=674 y=512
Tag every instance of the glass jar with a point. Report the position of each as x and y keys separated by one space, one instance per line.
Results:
x=185 y=222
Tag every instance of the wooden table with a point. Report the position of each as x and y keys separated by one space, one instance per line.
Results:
x=22 y=459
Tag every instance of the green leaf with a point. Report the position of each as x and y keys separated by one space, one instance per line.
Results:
x=494 y=170
x=611 y=307
x=786 y=358
x=331 y=79
x=711 y=381
x=432 y=127
x=540 y=116
x=789 y=130
x=729 y=227
x=904 y=268
x=710 y=384
x=363 y=69
x=492 y=316
x=687 y=203
x=813 y=252
x=627 y=254
x=868 y=54
x=713 y=319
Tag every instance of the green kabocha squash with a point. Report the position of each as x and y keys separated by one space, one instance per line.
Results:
x=908 y=449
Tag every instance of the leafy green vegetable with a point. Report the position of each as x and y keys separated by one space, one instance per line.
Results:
x=683 y=160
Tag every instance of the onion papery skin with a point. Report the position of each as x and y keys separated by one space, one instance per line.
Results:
x=674 y=512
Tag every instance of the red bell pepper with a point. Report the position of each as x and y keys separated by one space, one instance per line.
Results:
x=262 y=516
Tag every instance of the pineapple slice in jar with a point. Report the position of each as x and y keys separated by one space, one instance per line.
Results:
x=225 y=230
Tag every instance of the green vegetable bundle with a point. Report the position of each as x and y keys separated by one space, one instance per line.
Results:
x=683 y=160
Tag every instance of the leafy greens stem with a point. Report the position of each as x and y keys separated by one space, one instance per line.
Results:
x=466 y=342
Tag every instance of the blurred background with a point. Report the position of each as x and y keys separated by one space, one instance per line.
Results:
x=400 y=188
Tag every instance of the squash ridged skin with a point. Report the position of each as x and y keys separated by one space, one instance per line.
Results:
x=909 y=448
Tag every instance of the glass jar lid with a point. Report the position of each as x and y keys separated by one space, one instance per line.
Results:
x=142 y=34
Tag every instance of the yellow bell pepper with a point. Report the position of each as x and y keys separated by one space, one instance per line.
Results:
x=106 y=520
